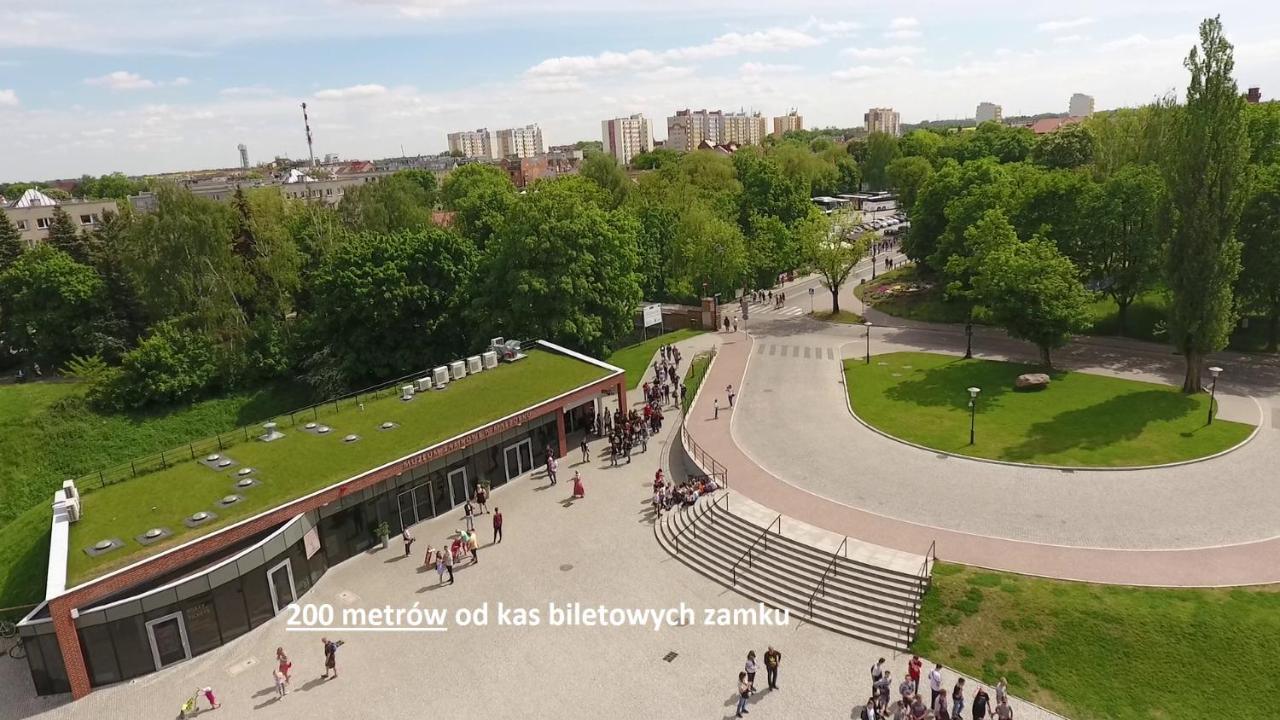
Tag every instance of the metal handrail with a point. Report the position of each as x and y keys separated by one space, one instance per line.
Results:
x=746 y=554
x=702 y=458
x=831 y=568
x=706 y=510
x=924 y=580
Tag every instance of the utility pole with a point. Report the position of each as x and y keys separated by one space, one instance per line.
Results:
x=306 y=123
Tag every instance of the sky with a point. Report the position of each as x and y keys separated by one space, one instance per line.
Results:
x=148 y=86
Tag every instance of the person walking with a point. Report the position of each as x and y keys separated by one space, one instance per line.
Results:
x=881 y=690
x=408 y=540
x=283 y=664
x=586 y=451
x=468 y=512
x=751 y=669
x=981 y=704
x=735 y=325
x=497 y=525
x=208 y=695
x=448 y=563
x=435 y=557
x=913 y=670
x=877 y=671
x=715 y=402
x=1003 y=711
x=330 y=658
x=728 y=390
x=473 y=545
x=744 y=691
x=482 y=499
x=957 y=699
x=551 y=468
x=771 y=660
x=1002 y=691
x=280 y=688
x=935 y=686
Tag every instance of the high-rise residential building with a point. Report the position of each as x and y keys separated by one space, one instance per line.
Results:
x=883 y=120
x=626 y=137
x=521 y=142
x=1254 y=95
x=784 y=124
x=472 y=143
x=687 y=129
x=244 y=156
x=743 y=129
x=989 y=111
x=1081 y=105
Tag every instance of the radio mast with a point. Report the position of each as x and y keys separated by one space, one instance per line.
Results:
x=307 y=124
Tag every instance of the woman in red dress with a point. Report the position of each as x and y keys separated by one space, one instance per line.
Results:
x=578 y=490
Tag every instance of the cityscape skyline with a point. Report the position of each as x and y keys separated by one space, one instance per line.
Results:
x=174 y=93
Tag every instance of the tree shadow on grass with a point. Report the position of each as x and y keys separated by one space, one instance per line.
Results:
x=947 y=384
x=1121 y=418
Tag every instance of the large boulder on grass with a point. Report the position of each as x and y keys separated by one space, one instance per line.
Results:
x=1030 y=382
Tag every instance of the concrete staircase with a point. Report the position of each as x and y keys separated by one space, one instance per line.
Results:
x=859 y=599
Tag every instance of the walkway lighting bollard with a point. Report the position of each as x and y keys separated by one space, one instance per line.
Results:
x=973 y=409
x=1213 y=391
x=868 y=326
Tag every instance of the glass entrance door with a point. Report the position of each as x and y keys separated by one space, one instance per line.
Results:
x=280 y=578
x=408 y=512
x=458 y=485
x=518 y=458
x=168 y=637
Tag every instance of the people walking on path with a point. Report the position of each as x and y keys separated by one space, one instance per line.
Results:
x=751 y=669
x=728 y=390
x=744 y=691
x=482 y=499
x=408 y=540
x=551 y=468
x=913 y=671
x=880 y=688
x=1002 y=691
x=468 y=512
x=935 y=686
x=283 y=664
x=1003 y=711
x=981 y=704
x=209 y=696
x=280 y=688
x=957 y=699
x=448 y=563
x=586 y=451
x=497 y=525
x=716 y=405
x=330 y=658
x=772 y=658
x=473 y=545
x=435 y=557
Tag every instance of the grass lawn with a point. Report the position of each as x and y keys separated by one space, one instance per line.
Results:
x=635 y=358
x=844 y=316
x=1097 y=652
x=49 y=433
x=302 y=462
x=693 y=378
x=1080 y=420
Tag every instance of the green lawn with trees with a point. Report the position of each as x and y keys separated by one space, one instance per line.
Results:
x=1100 y=652
x=1080 y=420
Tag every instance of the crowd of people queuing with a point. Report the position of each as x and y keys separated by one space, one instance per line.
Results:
x=910 y=704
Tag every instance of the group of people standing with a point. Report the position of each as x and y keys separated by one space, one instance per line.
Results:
x=942 y=705
x=747 y=678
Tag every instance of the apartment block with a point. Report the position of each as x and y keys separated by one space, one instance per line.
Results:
x=33 y=213
x=626 y=137
x=883 y=120
x=687 y=129
x=521 y=142
x=1081 y=105
x=472 y=143
x=784 y=124
x=989 y=112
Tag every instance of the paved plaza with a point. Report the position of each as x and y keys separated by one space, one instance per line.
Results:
x=599 y=550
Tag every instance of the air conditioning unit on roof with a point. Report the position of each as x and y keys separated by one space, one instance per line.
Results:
x=440 y=376
x=490 y=359
x=457 y=370
x=422 y=384
x=474 y=365
x=406 y=392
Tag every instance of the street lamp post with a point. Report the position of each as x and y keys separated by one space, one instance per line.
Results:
x=968 y=338
x=973 y=409
x=873 y=260
x=1213 y=390
x=867 y=324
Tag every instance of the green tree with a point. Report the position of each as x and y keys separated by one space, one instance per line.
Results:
x=1052 y=204
x=921 y=143
x=982 y=185
x=1132 y=136
x=833 y=251
x=1128 y=224
x=126 y=318
x=882 y=149
x=767 y=190
x=708 y=249
x=563 y=268
x=848 y=175
x=1206 y=168
x=388 y=304
x=267 y=253
x=604 y=170
x=64 y=234
x=815 y=173
x=655 y=159
x=1070 y=146
x=171 y=365
x=396 y=202
x=11 y=243
x=1263 y=120
x=49 y=306
x=906 y=176
x=1259 y=231
x=929 y=214
x=481 y=196
x=1033 y=292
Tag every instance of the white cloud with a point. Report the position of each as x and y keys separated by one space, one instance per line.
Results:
x=836 y=28
x=1053 y=26
x=246 y=91
x=1068 y=39
x=8 y=98
x=352 y=92
x=756 y=68
x=180 y=82
x=858 y=72
x=414 y=8
x=892 y=52
x=902 y=23
x=902 y=34
x=121 y=80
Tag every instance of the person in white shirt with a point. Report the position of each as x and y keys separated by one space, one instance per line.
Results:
x=935 y=685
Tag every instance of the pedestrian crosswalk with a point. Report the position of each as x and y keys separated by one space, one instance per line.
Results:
x=768 y=308
x=797 y=351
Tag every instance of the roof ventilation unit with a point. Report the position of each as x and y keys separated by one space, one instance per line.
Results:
x=473 y=365
x=457 y=370
x=422 y=384
x=490 y=359
x=406 y=392
x=441 y=377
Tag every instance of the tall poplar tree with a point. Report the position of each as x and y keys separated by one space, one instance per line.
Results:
x=1206 y=170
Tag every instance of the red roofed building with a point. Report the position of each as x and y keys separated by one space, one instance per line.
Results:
x=1048 y=125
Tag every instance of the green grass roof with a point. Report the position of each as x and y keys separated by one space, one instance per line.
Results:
x=302 y=462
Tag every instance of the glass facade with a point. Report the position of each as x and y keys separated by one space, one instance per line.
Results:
x=123 y=640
